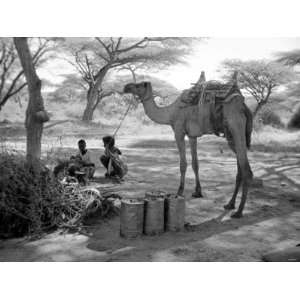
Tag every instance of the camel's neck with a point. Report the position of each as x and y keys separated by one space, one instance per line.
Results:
x=160 y=115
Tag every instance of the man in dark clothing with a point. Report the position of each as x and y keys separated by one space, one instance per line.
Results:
x=111 y=160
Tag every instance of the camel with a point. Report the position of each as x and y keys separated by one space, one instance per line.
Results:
x=196 y=120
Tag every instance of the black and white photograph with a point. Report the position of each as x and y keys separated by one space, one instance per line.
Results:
x=124 y=147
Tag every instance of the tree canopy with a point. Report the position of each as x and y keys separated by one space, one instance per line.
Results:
x=259 y=77
x=93 y=58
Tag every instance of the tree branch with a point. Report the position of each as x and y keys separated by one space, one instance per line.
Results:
x=118 y=43
x=8 y=61
x=136 y=45
x=106 y=47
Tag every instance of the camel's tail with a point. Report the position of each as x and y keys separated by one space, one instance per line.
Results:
x=249 y=125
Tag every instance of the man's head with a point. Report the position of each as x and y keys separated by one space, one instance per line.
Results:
x=81 y=145
x=108 y=141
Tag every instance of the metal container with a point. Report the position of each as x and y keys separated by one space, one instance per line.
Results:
x=174 y=213
x=132 y=218
x=156 y=194
x=154 y=215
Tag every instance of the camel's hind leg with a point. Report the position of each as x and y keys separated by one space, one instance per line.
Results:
x=183 y=163
x=238 y=181
x=245 y=170
x=237 y=141
x=195 y=165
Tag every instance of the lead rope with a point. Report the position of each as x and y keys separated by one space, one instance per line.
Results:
x=124 y=116
x=117 y=129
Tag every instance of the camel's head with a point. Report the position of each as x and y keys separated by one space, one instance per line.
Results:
x=143 y=90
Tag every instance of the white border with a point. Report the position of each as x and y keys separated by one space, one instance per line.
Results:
x=230 y=18
x=149 y=281
x=156 y=280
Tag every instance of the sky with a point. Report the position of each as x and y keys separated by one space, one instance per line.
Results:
x=207 y=56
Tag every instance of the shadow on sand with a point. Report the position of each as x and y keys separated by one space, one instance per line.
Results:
x=107 y=236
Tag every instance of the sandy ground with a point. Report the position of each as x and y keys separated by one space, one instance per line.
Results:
x=271 y=219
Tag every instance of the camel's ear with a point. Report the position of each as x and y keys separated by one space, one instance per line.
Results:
x=145 y=84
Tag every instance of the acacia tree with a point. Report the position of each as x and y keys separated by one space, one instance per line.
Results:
x=12 y=79
x=35 y=113
x=94 y=58
x=259 y=78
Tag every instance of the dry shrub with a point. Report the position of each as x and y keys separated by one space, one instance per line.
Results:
x=27 y=196
x=267 y=117
x=32 y=200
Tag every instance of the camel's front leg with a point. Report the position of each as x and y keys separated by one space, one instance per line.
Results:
x=195 y=165
x=183 y=164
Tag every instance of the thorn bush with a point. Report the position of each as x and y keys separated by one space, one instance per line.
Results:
x=33 y=201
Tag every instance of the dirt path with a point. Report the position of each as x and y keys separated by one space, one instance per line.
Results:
x=271 y=221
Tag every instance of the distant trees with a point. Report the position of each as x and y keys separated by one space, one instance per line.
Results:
x=95 y=57
x=69 y=90
x=35 y=113
x=290 y=58
x=12 y=79
x=259 y=77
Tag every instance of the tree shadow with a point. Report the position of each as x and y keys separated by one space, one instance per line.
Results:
x=273 y=170
x=275 y=148
x=154 y=168
x=154 y=143
x=191 y=233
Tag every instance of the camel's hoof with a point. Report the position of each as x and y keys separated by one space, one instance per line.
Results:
x=197 y=195
x=180 y=192
x=236 y=215
x=229 y=206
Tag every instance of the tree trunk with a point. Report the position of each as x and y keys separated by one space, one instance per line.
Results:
x=259 y=107
x=90 y=105
x=262 y=103
x=92 y=96
x=35 y=113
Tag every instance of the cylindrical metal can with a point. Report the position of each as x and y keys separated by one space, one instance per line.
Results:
x=154 y=215
x=132 y=218
x=174 y=213
x=156 y=194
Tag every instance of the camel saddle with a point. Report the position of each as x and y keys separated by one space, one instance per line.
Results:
x=208 y=91
x=214 y=94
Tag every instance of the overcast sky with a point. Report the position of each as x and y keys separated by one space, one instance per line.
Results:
x=207 y=56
